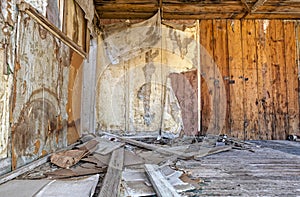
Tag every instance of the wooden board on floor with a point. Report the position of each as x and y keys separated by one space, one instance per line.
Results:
x=236 y=83
x=161 y=185
x=112 y=179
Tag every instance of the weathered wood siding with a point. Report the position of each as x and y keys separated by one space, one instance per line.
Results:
x=258 y=63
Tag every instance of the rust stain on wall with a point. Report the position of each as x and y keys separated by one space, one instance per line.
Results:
x=39 y=100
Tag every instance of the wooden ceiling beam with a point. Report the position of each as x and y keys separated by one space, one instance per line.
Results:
x=246 y=5
x=258 y=4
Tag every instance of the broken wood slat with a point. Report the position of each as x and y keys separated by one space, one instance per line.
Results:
x=106 y=146
x=112 y=178
x=162 y=187
x=89 y=146
x=156 y=148
x=211 y=151
x=77 y=171
x=68 y=158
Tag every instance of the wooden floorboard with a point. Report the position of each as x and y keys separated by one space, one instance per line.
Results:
x=272 y=170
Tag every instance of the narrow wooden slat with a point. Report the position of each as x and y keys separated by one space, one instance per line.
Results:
x=278 y=79
x=263 y=84
x=220 y=58
x=237 y=82
x=292 y=77
x=112 y=179
x=206 y=62
x=161 y=186
x=250 y=77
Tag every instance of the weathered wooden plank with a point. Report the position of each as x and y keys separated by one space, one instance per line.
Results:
x=278 y=79
x=221 y=61
x=112 y=179
x=291 y=77
x=161 y=185
x=263 y=84
x=236 y=82
x=106 y=146
x=207 y=73
x=250 y=78
x=202 y=7
x=273 y=15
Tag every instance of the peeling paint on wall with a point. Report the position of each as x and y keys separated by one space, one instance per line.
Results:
x=40 y=93
x=5 y=85
x=132 y=91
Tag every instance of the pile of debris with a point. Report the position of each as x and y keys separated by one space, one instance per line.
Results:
x=130 y=166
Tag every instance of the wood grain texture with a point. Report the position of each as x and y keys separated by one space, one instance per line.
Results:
x=236 y=70
x=177 y=9
x=263 y=85
x=278 y=79
x=221 y=60
x=161 y=185
x=291 y=76
x=112 y=179
x=206 y=61
x=250 y=78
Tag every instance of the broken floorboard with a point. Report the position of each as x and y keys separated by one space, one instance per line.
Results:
x=161 y=186
x=112 y=178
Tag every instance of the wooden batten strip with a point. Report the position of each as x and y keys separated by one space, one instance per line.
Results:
x=51 y=28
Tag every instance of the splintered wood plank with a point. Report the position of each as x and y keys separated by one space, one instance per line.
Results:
x=250 y=77
x=236 y=81
x=220 y=58
x=161 y=185
x=263 y=83
x=278 y=79
x=292 y=77
x=112 y=179
x=207 y=74
x=106 y=146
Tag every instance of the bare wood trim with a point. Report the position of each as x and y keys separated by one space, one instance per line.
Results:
x=112 y=178
x=51 y=28
x=161 y=186
x=246 y=5
x=257 y=5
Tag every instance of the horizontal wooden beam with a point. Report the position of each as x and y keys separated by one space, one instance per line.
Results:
x=44 y=22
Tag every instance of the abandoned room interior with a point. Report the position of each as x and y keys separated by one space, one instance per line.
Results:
x=149 y=98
